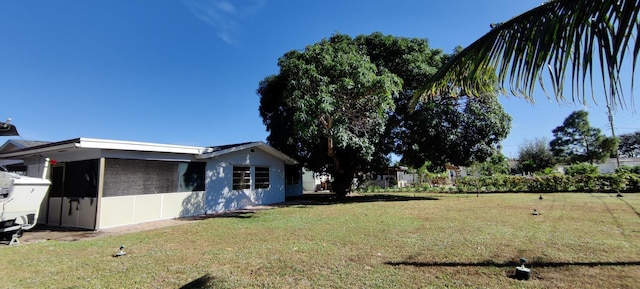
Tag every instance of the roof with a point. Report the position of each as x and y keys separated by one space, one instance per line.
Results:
x=92 y=143
x=16 y=144
x=215 y=151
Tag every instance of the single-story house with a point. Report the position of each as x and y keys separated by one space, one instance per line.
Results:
x=99 y=183
x=611 y=164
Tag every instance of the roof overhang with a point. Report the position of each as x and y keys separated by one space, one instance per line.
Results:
x=92 y=143
x=211 y=153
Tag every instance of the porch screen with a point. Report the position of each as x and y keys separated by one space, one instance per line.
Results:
x=124 y=177
x=80 y=179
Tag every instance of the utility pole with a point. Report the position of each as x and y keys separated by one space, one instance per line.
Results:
x=613 y=134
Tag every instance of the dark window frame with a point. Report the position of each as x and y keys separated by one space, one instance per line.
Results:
x=292 y=175
x=262 y=177
x=241 y=179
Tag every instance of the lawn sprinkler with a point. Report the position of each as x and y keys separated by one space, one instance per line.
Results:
x=121 y=252
x=522 y=272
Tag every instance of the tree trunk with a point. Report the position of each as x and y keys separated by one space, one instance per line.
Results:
x=342 y=178
x=342 y=182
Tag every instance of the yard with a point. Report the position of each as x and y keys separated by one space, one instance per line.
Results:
x=371 y=241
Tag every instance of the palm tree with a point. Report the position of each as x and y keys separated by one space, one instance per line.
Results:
x=558 y=37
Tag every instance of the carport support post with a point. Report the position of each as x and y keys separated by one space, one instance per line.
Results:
x=101 y=166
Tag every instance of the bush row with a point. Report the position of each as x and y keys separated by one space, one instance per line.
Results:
x=551 y=183
x=619 y=182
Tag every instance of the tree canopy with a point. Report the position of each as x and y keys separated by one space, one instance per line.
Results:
x=559 y=37
x=630 y=145
x=328 y=107
x=575 y=141
x=458 y=131
x=535 y=156
x=340 y=106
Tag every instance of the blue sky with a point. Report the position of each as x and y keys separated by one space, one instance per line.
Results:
x=186 y=72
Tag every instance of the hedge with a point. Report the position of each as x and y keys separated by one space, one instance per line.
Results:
x=623 y=181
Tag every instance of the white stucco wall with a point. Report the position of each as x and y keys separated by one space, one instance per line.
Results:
x=127 y=210
x=219 y=180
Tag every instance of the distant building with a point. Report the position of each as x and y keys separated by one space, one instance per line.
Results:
x=611 y=164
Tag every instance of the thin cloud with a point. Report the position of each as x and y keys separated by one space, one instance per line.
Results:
x=226 y=6
x=225 y=17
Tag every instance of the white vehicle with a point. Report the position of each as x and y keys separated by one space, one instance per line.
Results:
x=20 y=198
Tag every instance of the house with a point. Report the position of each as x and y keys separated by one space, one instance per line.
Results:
x=99 y=183
x=313 y=182
x=611 y=164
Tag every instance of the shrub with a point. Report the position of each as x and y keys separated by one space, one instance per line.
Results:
x=621 y=181
x=629 y=169
x=581 y=169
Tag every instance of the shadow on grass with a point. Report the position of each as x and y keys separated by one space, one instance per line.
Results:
x=205 y=281
x=320 y=199
x=630 y=206
x=308 y=200
x=511 y=264
x=237 y=214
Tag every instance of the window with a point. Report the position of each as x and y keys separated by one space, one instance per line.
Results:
x=241 y=177
x=262 y=177
x=192 y=176
x=292 y=175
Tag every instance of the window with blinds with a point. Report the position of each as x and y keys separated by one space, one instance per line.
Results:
x=241 y=177
x=262 y=178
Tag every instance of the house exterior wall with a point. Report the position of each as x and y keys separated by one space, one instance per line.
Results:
x=67 y=212
x=133 y=209
x=137 y=191
x=140 y=186
x=220 y=195
x=293 y=190
x=611 y=164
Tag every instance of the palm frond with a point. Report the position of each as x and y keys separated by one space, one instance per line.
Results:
x=557 y=38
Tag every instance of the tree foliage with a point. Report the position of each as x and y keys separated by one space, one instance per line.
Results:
x=630 y=145
x=559 y=37
x=459 y=131
x=340 y=106
x=496 y=164
x=575 y=141
x=535 y=156
x=328 y=107
x=578 y=169
x=414 y=62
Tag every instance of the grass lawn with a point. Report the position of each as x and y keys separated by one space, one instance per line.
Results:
x=372 y=241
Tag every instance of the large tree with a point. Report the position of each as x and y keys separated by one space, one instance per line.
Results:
x=630 y=145
x=535 y=156
x=299 y=103
x=575 y=141
x=328 y=107
x=414 y=62
x=458 y=131
x=560 y=37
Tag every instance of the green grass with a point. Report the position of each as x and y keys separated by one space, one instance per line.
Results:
x=454 y=241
